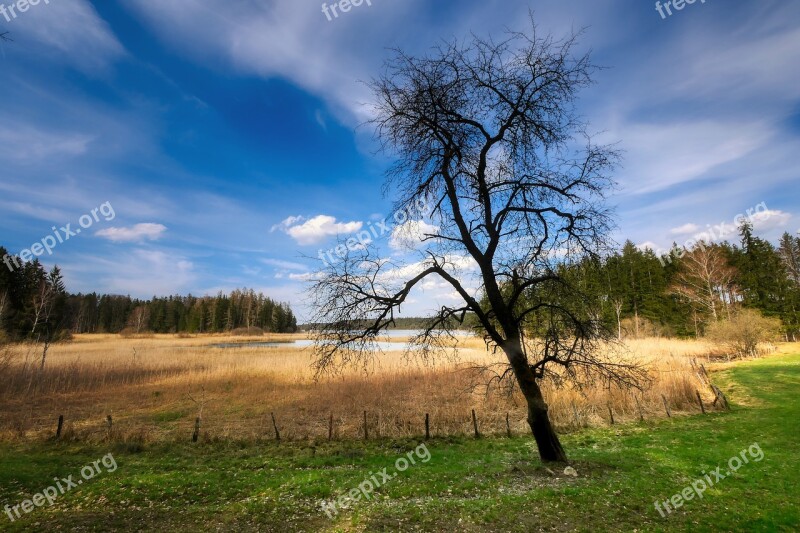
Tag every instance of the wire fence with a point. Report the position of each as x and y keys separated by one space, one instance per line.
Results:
x=364 y=425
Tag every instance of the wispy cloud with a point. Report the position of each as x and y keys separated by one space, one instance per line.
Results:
x=140 y=273
x=23 y=143
x=147 y=231
x=285 y=265
x=75 y=30
x=704 y=108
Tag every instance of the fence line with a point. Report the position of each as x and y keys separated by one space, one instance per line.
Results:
x=111 y=429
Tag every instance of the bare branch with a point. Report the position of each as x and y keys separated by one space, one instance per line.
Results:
x=485 y=132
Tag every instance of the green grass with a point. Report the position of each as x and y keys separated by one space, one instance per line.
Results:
x=491 y=484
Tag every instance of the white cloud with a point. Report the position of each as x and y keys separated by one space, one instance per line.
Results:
x=306 y=276
x=314 y=230
x=686 y=229
x=287 y=223
x=456 y=264
x=409 y=235
x=770 y=219
x=137 y=233
x=647 y=245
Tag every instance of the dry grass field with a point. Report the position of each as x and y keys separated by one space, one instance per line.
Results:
x=155 y=387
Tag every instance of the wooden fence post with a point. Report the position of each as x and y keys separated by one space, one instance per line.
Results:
x=700 y=401
x=275 y=426
x=110 y=423
x=639 y=408
x=576 y=415
x=60 y=426
x=721 y=397
x=427 y=426
x=611 y=414
x=475 y=424
x=508 y=427
x=196 y=434
x=666 y=406
x=705 y=373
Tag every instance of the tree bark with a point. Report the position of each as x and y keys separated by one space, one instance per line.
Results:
x=44 y=353
x=547 y=442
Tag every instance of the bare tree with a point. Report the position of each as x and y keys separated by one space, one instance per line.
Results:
x=485 y=133
x=617 y=303
x=47 y=317
x=706 y=280
x=140 y=318
x=42 y=304
x=789 y=251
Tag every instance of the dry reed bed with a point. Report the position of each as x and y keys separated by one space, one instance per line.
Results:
x=155 y=388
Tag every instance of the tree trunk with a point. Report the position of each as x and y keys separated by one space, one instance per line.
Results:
x=549 y=446
x=550 y=449
x=44 y=354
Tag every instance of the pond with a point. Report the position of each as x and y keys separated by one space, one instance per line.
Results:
x=303 y=343
x=387 y=346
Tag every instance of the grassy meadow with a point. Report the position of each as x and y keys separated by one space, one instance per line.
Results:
x=490 y=484
x=155 y=387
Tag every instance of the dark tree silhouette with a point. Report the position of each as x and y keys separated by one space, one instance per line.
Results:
x=486 y=133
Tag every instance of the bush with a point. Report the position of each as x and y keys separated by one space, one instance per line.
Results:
x=248 y=332
x=742 y=333
x=64 y=335
x=6 y=358
x=130 y=333
x=647 y=329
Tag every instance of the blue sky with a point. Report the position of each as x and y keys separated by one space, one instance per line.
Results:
x=225 y=134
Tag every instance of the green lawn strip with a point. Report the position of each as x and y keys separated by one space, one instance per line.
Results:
x=490 y=484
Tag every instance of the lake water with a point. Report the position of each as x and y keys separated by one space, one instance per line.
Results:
x=387 y=346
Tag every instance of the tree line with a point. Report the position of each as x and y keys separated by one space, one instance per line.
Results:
x=639 y=294
x=35 y=305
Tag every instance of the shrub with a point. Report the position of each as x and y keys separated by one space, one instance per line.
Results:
x=130 y=333
x=64 y=335
x=6 y=356
x=744 y=331
x=647 y=329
